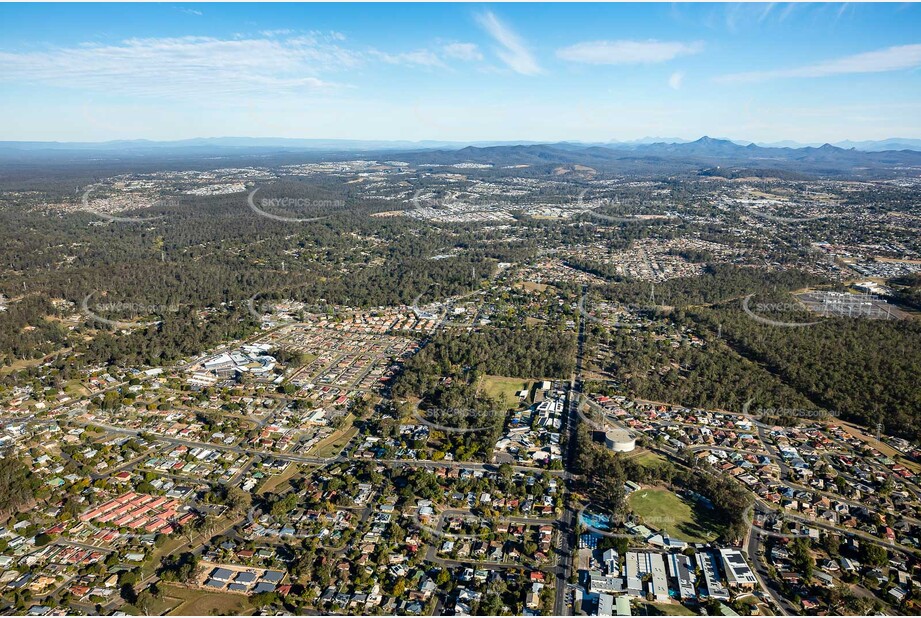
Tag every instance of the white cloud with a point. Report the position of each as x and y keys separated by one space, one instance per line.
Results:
x=675 y=80
x=274 y=33
x=271 y=63
x=512 y=49
x=462 y=51
x=627 y=52
x=182 y=66
x=879 y=61
x=188 y=11
x=419 y=57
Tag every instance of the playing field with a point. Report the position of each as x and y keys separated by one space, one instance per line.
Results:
x=503 y=389
x=531 y=286
x=666 y=511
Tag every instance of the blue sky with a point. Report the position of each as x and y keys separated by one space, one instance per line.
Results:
x=590 y=72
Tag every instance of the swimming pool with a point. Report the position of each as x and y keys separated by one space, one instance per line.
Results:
x=596 y=520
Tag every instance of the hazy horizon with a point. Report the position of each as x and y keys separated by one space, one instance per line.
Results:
x=266 y=139
x=811 y=73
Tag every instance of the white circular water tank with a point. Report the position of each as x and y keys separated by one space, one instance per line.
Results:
x=619 y=440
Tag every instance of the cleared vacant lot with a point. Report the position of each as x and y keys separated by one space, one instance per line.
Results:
x=201 y=603
x=335 y=442
x=665 y=609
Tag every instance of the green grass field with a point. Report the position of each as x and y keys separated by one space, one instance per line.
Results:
x=503 y=389
x=665 y=609
x=645 y=458
x=336 y=441
x=162 y=606
x=682 y=519
x=153 y=560
x=531 y=286
x=279 y=482
x=200 y=603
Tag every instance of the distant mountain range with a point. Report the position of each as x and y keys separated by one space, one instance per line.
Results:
x=894 y=143
x=706 y=155
x=245 y=143
x=706 y=151
x=705 y=147
x=345 y=145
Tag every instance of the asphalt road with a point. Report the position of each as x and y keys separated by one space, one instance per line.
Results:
x=568 y=542
x=753 y=546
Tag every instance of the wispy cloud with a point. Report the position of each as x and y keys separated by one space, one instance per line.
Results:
x=273 y=62
x=512 y=49
x=767 y=11
x=462 y=51
x=736 y=17
x=675 y=80
x=189 y=11
x=627 y=52
x=176 y=66
x=274 y=33
x=879 y=61
x=788 y=10
x=419 y=57
x=845 y=8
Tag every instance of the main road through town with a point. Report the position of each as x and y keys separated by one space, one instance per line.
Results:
x=568 y=541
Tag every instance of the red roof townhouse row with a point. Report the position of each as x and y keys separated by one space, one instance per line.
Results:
x=139 y=511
